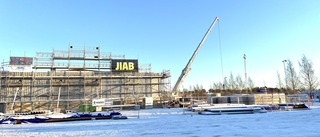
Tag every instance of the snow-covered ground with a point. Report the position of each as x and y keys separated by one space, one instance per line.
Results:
x=173 y=123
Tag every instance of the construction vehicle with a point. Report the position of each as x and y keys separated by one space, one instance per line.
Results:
x=186 y=70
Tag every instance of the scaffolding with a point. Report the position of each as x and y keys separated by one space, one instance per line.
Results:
x=75 y=77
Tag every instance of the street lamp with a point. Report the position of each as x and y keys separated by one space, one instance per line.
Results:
x=284 y=68
x=245 y=72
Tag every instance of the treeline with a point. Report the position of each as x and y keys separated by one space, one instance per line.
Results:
x=294 y=81
x=203 y=92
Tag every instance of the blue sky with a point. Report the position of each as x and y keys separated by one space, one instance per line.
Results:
x=166 y=33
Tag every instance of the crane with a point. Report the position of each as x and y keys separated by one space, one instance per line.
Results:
x=186 y=70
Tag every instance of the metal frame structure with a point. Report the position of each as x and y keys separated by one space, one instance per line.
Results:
x=67 y=79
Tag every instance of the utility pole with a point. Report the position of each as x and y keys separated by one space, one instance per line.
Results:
x=245 y=72
x=284 y=68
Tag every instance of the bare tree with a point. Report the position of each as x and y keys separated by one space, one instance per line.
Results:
x=184 y=89
x=225 y=84
x=250 y=84
x=190 y=88
x=240 y=84
x=279 y=81
x=197 y=87
x=291 y=77
x=217 y=86
x=309 y=79
x=221 y=85
x=232 y=83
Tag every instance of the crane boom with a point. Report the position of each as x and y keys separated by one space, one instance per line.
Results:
x=187 y=68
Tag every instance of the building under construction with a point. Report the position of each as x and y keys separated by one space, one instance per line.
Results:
x=69 y=78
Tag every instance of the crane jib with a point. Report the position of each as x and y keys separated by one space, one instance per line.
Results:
x=187 y=68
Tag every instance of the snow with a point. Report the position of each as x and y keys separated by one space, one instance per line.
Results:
x=174 y=122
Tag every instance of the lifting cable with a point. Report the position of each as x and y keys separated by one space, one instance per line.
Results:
x=220 y=52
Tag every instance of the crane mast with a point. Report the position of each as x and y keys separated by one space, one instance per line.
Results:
x=186 y=70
